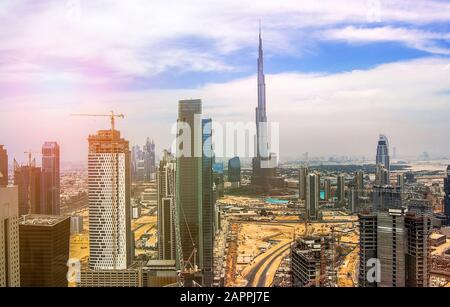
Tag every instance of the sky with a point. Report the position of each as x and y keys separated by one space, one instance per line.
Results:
x=338 y=72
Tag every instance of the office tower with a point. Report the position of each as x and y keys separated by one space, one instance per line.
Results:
x=309 y=258
x=50 y=182
x=149 y=160
x=367 y=248
x=28 y=180
x=264 y=164
x=137 y=164
x=9 y=237
x=189 y=179
x=3 y=167
x=165 y=178
x=340 y=190
x=447 y=195
x=401 y=181
x=383 y=153
x=207 y=203
x=44 y=250
x=327 y=188
x=110 y=236
x=234 y=170
x=418 y=247
x=312 y=197
x=302 y=177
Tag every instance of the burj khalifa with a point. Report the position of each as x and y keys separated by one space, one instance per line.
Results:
x=264 y=163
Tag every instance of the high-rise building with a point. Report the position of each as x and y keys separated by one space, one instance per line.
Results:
x=149 y=160
x=218 y=178
x=110 y=236
x=189 y=179
x=9 y=237
x=340 y=190
x=383 y=153
x=3 y=167
x=166 y=200
x=386 y=197
x=359 y=182
x=312 y=197
x=234 y=170
x=302 y=176
x=44 y=250
x=28 y=180
x=264 y=164
x=447 y=195
x=50 y=182
x=381 y=175
x=367 y=248
x=208 y=207
x=418 y=249
x=327 y=189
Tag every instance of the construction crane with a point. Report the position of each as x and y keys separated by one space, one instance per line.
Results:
x=114 y=178
x=31 y=162
x=111 y=115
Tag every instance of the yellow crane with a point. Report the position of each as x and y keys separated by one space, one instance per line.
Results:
x=111 y=115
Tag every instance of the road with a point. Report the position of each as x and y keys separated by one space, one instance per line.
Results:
x=264 y=265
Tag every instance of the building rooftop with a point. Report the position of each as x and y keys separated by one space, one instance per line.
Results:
x=41 y=220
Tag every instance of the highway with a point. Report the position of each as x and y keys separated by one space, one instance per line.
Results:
x=264 y=265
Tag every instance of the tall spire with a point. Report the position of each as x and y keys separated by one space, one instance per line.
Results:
x=261 y=111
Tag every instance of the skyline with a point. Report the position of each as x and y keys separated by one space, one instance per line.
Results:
x=383 y=70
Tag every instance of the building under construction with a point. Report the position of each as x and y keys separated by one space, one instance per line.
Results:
x=312 y=261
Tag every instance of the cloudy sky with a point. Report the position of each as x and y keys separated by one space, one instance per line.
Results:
x=338 y=72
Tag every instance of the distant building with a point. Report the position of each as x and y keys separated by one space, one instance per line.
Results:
x=29 y=187
x=234 y=170
x=44 y=250
x=50 y=183
x=9 y=237
x=143 y=162
x=302 y=176
x=340 y=190
x=401 y=181
x=312 y=197
x=382 y=156
x=3 y=167
x=218 y=178
x=110 y=236
x=327 y=189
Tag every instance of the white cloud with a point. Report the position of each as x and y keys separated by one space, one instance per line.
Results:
x=320 y=113
x=418 y=39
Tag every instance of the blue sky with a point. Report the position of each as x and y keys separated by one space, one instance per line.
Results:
x=349 y=67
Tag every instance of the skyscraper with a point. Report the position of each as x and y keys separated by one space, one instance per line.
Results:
x=401 y=181
x=3 y=167
x=367 y=248
x=44 y=250
x=207 y=203
x=312 y=197
x=166 y=199
x=189 y=179
x=327 y=188
x=302 y=176
x=28 y=180
x=9 y=237
x=447 y=195
x=383 y=153
x=340 y=190
x=234 y=170
x=149 y=160
x=50 y=183
x=264 y=171
x=110 y=236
